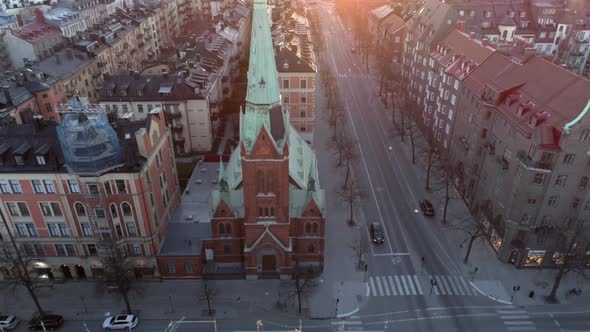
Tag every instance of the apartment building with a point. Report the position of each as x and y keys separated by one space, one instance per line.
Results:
x=68 y=20
x=448 y=64
x=185 y=106
x=59 y=206
x=520 y=153
x=34 y=41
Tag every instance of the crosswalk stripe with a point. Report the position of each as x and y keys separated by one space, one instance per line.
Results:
x=399 y=285
x=514 y=312
x=393 y=290
x=436 y=291
x=444 y=280
x=385 y=286
x=453 y=286
x=418 y=285
x=516 y=317
x=440 y=285
x=468 y=288
x=378 y=281
x=411 y=285
x=372 y=285
x=405 y=285
x=521 y=328
x=455 y=280
x=518 y=322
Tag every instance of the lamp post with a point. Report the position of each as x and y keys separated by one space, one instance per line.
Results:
x=366 y=267
x=337 y=301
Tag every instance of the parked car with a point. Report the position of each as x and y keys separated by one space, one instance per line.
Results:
x=377 y=233
x=120 y=322
x=427 y=208
x=8 y=322
x=51 y=322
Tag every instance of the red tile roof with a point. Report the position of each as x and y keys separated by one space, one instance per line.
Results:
x=35 y=32
x=556 y=95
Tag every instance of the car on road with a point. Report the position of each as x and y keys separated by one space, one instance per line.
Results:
x=377 y=233
x=427 y=208
x=47 y=322
x=8 y=322
x=120 y=322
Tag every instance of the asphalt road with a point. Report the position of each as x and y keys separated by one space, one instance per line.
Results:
x=399 y=281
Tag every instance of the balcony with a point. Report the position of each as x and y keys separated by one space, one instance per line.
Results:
x=528 y=162
x=172 y=115
x=177 y=127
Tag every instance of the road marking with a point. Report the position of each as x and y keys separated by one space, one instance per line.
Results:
x=405 y=285
x=411 y=284
x=521 y=328
x=378 y=281
x=456 y=280
x=369 y=176
x=518 y=322
x=418 y=285
x=385 y=286
x=470 y=290
x=511 y=312
x=399 y=285
x=450 y=280
x=516 y=317
x=372 y=285
x=393 y=254
x=392 y=285
x=439 y=285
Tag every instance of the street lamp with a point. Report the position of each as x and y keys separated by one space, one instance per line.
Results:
x=337 y=301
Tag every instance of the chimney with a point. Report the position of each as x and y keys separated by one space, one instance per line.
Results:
x=485 y=42
x=39 y=15
x=7 y=96
x=472 y=35
x=529 y=52
x=19 y=20
x=460 y=25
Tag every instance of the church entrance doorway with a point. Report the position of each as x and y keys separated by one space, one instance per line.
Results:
x=269 y=263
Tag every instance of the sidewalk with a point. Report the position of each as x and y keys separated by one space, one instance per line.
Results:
x=494 y=278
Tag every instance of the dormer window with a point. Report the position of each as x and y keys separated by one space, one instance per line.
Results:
x=285 y=65
x=520 y=110
x=139 y=92
x=110 y=92
x=19 y=160
x=123 y=92
x=40 y=160
x=533 y=121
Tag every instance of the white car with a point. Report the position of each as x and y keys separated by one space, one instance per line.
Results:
x=8 y=322
x=121 y=322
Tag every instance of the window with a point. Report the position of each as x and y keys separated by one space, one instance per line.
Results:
x=303 y=99
x=80 y=210
x=121 y=188
x=587 y=206
x=286 y=99
x=575 y=203
x=523 y=14
x=73 y=185
x=93 y=189
x=308 y=228
x=227 y=250
x=26 y=229
x=4 y=187
x=70 y=250
x=560 y=181
x=37 y=187
x=99 y=213
x=525 y=218
x=539 y=178
x=40 y=159
x=139 y=108
x=315 y=228
x=136 y=248
x=310 y=249
x=131 y=229
x=19 y=160
x=188 y=267
x=126 y=208
x=221 y=228
x=49 y=186
x=585 y=135
x=107 y=188
x=171 y=267
x=553 y=200
x=86 y=229
x=303 y=84
x=583 y=183
x=39 y=250
x=569 y=158
x=285 y=84
x=61 y=251
x=91 y=249
x=114 y=213
x=15 y=186
x=19 y=209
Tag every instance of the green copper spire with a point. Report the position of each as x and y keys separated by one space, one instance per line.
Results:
x=263 y=81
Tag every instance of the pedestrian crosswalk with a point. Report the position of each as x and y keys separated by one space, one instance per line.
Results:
x=408 y=285
x=352 y=323
x=516 y=319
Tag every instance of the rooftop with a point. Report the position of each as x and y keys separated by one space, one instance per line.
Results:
x=36 y=31
x=65 y=63
x=148 y=87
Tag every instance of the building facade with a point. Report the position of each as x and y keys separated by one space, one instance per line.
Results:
x=59 y=206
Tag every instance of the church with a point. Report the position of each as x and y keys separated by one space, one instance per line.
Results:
x=269 y=192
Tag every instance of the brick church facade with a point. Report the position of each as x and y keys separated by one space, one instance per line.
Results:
x=269 y=199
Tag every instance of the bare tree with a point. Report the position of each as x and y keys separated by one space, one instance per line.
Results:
x=473 y=230
x=348 y=148
x=570 y=254
x=352 y=194
x=117 y=269
x=359 y=249
x=303 y=281
x=17 y=262
x=208 y=295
